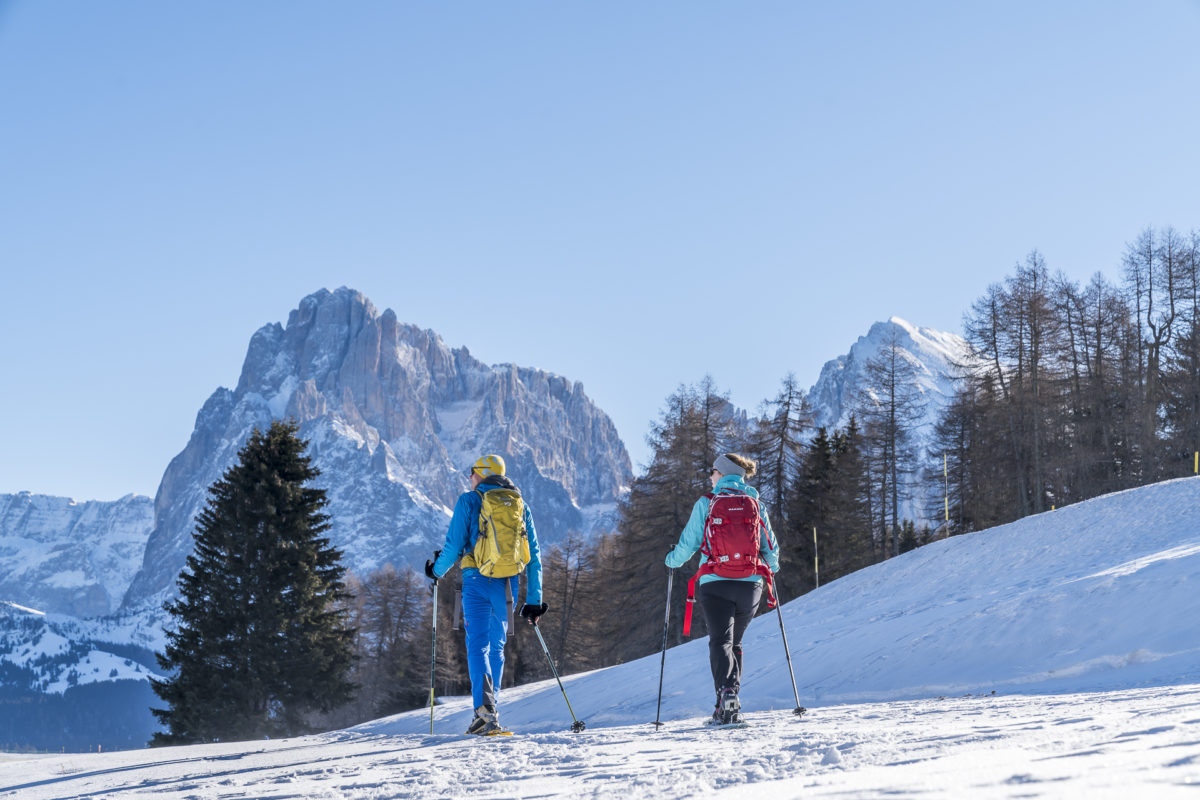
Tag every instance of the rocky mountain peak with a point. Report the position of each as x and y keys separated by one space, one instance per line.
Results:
x=936 y=355
x=394 y=419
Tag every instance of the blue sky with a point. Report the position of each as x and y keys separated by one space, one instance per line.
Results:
x=630 y=194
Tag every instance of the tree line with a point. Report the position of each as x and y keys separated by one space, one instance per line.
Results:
x=1075 y=390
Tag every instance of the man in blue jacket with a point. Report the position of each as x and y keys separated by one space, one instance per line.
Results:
x=486 y=600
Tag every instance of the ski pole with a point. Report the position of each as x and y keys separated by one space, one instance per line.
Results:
x=576 y=726
x=787 y=651
x=663 y=661
x=433 y=658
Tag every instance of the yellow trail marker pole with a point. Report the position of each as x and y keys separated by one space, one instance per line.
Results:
x=816 y=564
x=946 y=475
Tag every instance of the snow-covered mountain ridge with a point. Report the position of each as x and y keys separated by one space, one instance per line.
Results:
x=938 y=359
x=393 y=417
x=71 y=558
x=934 y=354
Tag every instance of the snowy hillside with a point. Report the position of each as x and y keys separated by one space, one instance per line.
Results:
x=1058 y=656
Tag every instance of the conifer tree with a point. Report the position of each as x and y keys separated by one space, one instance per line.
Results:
x=777 y=444
x=259 y=639
x=831 y=496
x=809 y=506
x=848 y=543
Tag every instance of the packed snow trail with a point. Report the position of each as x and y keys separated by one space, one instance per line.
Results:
x=1136 y=743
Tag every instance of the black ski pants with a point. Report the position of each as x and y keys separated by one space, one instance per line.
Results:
x=728 y=608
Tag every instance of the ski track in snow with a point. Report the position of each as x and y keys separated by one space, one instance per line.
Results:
x=1133 y=743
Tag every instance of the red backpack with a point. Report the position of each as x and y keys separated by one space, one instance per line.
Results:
x=731 y=546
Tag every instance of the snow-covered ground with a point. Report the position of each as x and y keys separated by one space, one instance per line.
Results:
x=1055 y=657
x=1124 y=744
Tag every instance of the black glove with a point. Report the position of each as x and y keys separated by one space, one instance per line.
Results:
x=534 y=613
x=429 y=566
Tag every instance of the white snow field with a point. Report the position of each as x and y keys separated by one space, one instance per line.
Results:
x=1058 y=656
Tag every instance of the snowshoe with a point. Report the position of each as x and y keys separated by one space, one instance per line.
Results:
x=494 y=729
x=486 y=723
x=729 y=709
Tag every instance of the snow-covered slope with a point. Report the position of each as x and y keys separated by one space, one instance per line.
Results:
x=1058 y=656
x=1104 y=594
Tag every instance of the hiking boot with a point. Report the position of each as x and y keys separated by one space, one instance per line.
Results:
x=729 y=709
x=486 y=721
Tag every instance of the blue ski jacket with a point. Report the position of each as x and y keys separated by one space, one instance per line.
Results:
x=692 y=537
x=464 y=530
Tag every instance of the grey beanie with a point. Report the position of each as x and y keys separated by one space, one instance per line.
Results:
x=725 y=466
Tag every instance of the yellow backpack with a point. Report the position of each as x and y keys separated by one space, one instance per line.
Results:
x=502 y=549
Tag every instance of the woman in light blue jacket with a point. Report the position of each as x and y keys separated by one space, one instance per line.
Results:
x=728 y=603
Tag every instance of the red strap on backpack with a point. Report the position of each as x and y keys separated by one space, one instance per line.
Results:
x=764 y=570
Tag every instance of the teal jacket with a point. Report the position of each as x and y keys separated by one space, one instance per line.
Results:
x=692 y=536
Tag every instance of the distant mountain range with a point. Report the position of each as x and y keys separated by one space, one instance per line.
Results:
x=394 y=419
x=73 y=558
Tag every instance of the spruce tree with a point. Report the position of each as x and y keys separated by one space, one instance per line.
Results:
x=259 y=640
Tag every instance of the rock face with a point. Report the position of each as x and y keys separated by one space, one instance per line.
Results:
x=63 y=557
x=394 y=419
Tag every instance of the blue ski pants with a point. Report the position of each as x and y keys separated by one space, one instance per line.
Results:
x=485 y=615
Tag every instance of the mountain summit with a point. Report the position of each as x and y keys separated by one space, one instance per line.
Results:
x=394 y=418
x=935 y=354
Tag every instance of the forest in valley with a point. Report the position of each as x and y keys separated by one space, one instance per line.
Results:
x=1071 y=390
